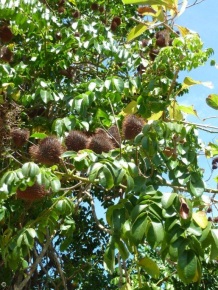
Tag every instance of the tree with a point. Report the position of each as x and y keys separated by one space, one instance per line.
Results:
x=90 y=121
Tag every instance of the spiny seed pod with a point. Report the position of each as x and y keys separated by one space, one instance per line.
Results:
x=115 y=135
x=100 y=142
x=117 y=20
x=76 y=14
x=32 y=193
x=34 y=152
x=76 y=140
x=48 y=152
x=94 y=6
x=132 y=126
x=6 y=54
x=19 y=136
x=5 y=34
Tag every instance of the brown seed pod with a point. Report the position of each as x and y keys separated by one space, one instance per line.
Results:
x=48 y=151
x=153 y=53
x=6 y=54
x=160 y=41
x=61 y=9
x=76 y=140
x=144 y=42
x=132 y=126
x=113 y=26
x=5 y=34
x=117 y=20
x=115 y=135
x=101 y=9
x=100 y=142
x=34 y=152
x=32 y=193
x=76 y=14
x=19 y=136
x=94 y=6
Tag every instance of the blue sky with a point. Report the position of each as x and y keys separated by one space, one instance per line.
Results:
x=202 y=18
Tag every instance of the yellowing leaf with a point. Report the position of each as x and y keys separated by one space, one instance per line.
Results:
x=188 y=110
x=131 y=108
x=156 y=116
x=150 y=267
x=72 y=1
x=188 y=82
x=200 y=218
x=175 y=112
x=136 y=31
x=184 y=30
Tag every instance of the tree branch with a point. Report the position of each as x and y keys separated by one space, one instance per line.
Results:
x=35 y=264
x=101 y=227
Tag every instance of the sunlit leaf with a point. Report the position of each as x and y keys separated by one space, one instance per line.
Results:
x=131 y=108
x=136 y=31
x=188 y=110
x=212 y=101
x=150 y=267
x=183 y=7
x=200 y=218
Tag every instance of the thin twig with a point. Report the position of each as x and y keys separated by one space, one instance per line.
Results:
x=101 y=227
x=58 y=265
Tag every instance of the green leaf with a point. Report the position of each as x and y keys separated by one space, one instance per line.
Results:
x=187 y=266
x=136 y=31
x=212 y=101
x=30 y=169
x=109 y=258
x=106 y=178
x=32 y=232
x=139 y=227
x=150 y=267
x=55 y=185
x=93 y=171
x=46 y=96
x=38 y=135
x=155 y=234
x=122 y=249
x=168 y=198
x=119 y=84
x=196 y=185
